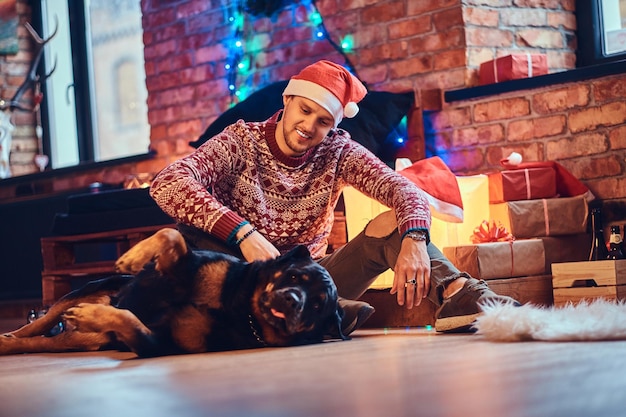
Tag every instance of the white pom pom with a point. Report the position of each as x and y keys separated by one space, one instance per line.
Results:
x=514 y=158
x=350 y=110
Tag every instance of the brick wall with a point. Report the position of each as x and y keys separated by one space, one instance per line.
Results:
x=581 y=125
x=398 y=45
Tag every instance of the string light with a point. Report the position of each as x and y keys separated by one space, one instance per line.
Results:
x=238 y=63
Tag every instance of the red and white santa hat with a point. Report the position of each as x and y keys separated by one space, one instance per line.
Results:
x=331 y=86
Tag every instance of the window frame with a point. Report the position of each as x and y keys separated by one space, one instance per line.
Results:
x=590 y=34
x=82 y=91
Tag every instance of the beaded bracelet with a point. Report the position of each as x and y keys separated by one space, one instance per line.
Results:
x=245 y=236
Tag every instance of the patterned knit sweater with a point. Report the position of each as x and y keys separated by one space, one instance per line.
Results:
x=240 y=174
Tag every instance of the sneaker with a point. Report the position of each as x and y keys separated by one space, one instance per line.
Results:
x=458 y=313
x=355 y=313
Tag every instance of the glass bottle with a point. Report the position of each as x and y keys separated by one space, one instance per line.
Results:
x=615 y=243
x=598 y=245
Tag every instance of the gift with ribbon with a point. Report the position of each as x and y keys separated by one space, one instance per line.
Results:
x=512 y=67
x=522 y=184
x=514 y=258
x=542 y=217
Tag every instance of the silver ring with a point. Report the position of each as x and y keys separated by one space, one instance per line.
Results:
x=411 y=281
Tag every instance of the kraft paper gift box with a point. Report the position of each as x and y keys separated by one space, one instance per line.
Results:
x=512 y=67
x=499 y=259
x=545 y=217
x=522 y=184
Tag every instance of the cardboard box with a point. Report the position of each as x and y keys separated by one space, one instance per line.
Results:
x=512 y=67
x=577 y=281
x=522 y=184
x=499 y=259
x=545 y=217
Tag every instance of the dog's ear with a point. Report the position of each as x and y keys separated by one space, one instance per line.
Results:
x=299 y=252
x=334 y=325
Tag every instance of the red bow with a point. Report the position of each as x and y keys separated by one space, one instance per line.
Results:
x=491 y=232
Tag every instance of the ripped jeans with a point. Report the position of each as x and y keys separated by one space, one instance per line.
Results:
x=354 y=266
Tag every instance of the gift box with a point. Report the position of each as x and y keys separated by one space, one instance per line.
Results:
x=499 y=259
x=512 y=67
x=545 y=217
x=522 y=184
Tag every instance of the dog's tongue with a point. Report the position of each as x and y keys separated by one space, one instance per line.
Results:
x=278 y=314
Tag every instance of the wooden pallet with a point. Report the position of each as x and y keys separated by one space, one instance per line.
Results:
x=66 y=258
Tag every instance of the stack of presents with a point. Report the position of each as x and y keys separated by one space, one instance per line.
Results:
x=524 y=229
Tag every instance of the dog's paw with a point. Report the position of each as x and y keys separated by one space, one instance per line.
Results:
x=88 y=317
x=133 y=261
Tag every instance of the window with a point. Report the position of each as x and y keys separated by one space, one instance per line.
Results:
x=95 y=102
x=601 y=31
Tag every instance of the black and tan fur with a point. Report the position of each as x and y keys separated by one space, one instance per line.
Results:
x=174 y=300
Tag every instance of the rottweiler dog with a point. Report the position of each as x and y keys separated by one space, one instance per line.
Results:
x=169 y=299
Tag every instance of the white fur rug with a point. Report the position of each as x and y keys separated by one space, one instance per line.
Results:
x=594 y=320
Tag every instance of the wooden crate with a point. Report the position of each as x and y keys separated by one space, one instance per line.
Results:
x=62 y=261
x=576 y=281
x=536 y=289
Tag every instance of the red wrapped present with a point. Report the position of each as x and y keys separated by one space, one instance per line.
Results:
x=513 y=67
x=522 y=184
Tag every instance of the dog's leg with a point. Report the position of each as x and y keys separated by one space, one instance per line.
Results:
x=97 y=292
x=64 y=342
x=128 y=329
x=165 y=248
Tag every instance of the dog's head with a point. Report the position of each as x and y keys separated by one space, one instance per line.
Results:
x=296 y=302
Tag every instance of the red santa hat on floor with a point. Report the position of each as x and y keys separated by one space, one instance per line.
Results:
x=329 y=85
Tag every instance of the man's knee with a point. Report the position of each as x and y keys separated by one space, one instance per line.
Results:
x=382 y=225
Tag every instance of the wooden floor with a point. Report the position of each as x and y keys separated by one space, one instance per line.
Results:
x=388 y=373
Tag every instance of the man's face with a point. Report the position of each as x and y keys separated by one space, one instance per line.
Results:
x=305 y=124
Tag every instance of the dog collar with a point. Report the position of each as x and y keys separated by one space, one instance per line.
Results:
x=255 y=332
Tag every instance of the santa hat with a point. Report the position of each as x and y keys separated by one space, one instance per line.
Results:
x=329 y=85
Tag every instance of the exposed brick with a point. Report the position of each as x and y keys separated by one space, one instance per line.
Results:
x=609 y=89
x=544 y=4
x=383 y=11
x=563 y=20
x=579 y=145
x=446 y=119
x=589 y=168
x=411 y=66
x=575 y=95
x=523 y=17
x=607 y=188
x=477 y=36
x=528 y=129
x=449 y=18
x=437 y=42
x=407 y=28
x=540 y=38
x=501 y=109
x=617 y=138
x=606 y=115
x=190 y=127
x=477 y=135
x=450 y=59
x=463 y=160
x=481 y=17
x=426 y=6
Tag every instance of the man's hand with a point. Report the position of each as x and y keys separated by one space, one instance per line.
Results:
x=255 y=247
x=413 y=264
